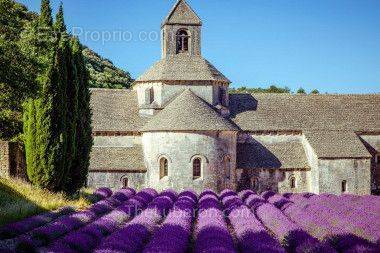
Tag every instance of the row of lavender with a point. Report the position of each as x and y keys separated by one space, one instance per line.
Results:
x=19 y=228
x=229 y=222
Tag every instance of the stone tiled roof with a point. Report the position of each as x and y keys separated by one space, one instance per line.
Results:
x=371 y=141
x=263 y=112
x=182 y=14
x=117 y=159
x=282 y=155
x=182 y=67
x=336 y=144
x=188 y=112
x=115 y=110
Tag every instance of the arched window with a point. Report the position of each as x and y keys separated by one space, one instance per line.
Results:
x=344 y=186
x=125 y=182
x=151 y=95
x=254 y=183
x=197 y=167
x=182 y=41
x=293 y=183
x=227 y=166
x=163 y=167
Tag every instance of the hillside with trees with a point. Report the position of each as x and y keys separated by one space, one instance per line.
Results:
x=19 y=67
x=270 y=89
x=45 y=96
x=103 y=73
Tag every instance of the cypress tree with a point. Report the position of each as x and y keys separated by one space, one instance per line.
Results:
x=45 y=16
x=29 y=120
x=50 y=121
x=84 y=141
x=72 y=117
x=59 y=24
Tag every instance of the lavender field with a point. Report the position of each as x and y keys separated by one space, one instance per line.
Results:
x=147 y=221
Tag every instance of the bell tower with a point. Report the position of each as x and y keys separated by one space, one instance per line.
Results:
x=181 y=31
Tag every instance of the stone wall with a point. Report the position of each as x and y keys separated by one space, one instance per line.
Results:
x=180 y=149
x=356 y=172
x=4 y=159
x=313 y=175
x=163 y=93
x=12 y=160
x=372 y=143
x=302 y=183
x=114 y=180
x=276 y=180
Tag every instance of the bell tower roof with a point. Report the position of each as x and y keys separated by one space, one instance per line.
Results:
x=182 y=14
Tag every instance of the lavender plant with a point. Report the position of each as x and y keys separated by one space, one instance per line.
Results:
x=133 y=236
x=211 y=232
x=173 y=236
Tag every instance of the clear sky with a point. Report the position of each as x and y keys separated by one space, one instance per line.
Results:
x=330 y=45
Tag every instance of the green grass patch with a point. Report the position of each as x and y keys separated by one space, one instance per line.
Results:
x=19 y=200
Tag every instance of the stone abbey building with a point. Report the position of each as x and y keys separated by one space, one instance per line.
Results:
x=180 y=128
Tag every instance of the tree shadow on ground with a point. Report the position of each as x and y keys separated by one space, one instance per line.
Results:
x=14 y=206
x=352 y=243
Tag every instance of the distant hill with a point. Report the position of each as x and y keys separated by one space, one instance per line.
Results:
x=103 y=73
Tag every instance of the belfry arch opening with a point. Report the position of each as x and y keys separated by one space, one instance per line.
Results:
x=183 y=39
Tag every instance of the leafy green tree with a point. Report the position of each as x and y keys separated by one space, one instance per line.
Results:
x=270 y=89
x=103 y=74
x=315 y=91
x=59 y=24
x=79 y=169
x=48 y=145
x=17 y=70
x=13 y=17
x=30 y=134
x=45 y=133
x=46 y=16
x=301 y=91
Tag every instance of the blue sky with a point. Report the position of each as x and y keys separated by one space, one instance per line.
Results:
x=330 y=45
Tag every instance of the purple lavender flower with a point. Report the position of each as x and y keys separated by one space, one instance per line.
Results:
x=251 y=234
x=124 y=194
x=133 y=236
x=207 y=192
x=245 y=194
x=174 y=234
x=169 y=193
x=254 y=200
x=352 y=243
x=280 y=202
x=211 y=233
x=291 y=235
x=267 y=194
x=50 y=232
x=103 y=193
x=26 y=225
x=296 y=198
x=94 y=233
x=189 y=193
x=104 y=206
x=338 y=217
x=208 y=201
x=226 y=193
